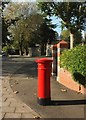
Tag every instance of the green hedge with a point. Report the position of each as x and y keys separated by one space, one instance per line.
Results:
x=74 y=60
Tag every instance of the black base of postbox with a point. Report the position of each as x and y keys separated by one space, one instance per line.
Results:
x=44 y=101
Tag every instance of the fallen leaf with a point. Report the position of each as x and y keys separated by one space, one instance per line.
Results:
x=36 y=117
x=16 y=92
x=34 y=93
x=78 y=92
x=16 y=83
x=63 y=90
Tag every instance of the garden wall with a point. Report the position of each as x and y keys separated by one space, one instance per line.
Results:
x=67 y=80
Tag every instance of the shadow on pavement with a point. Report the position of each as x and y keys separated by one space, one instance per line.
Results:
x=67 y=102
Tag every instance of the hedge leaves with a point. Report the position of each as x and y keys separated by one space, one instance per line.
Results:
x=74 y=60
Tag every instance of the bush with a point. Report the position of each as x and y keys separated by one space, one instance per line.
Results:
x=9 y=49
x=74 y=61
x=5 y=48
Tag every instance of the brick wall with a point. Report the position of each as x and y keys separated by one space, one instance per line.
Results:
x=67 y=80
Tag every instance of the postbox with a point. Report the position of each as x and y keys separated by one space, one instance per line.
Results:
x=44 y=73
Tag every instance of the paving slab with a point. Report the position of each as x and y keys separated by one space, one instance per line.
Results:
x=27 y=115
x=7 y=109
x=12 y=115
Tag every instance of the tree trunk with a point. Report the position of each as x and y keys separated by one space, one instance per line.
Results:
x=71 y=40
x=26 y=51
x=21 y=50
x=42 y=49
x=21 y=44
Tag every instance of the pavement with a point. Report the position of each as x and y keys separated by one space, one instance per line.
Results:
x=19 y=95
x=13 y=107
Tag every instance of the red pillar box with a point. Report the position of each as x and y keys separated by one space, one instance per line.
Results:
x=44 y=73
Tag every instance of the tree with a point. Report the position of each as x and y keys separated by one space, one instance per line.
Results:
x=71 y=13
x=45 y=34
x=15 y=11
x=28 y=27
x=22 y=20
x=23 y=30
x=65 y=34
x=5 y=32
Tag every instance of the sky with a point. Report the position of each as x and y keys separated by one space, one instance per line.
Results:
x=23 y=0
x=58 y=23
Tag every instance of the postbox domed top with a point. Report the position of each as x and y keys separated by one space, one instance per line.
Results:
x=44 y=60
